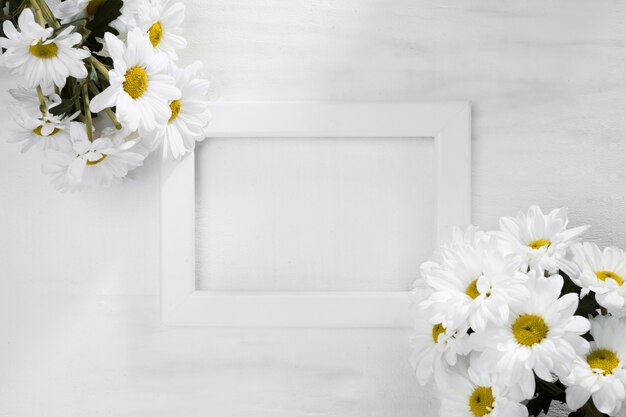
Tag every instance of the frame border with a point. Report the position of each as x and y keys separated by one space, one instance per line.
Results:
x=449 y=123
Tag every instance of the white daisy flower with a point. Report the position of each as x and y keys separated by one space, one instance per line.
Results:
x=604 y=273
x=140 y=89
x=189 y=114
x=28 y=99
x=542 y=335
x=474 y=283
x=102 y=162
x=471 y=394
x=541 y=239
x=31 y=51
x=601 y=372
x=435 y=348
x=417 y=295
x=69 y=11
x=162 y=21
x=472 y=236
x=47 y=132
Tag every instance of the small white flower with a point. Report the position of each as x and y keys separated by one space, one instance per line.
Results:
x=435 y=348
x=541 y=239
x=601 y=372
x=162 y=21
x=43 y=60
x=604 y=273
x=102 y=162
x=48 y=132
x=469 y=394
x=69 y=11
x=189 y=114
x=475 y=283
x=472 y=236
x=140 y=88
x=542 y=335
x=28 y=99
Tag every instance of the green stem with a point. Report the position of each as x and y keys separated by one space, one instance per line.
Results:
x=41 y=21
x=48 y=15
x=42 y=101
x=99 y=66
x=88 y=120
x=16 y=12
x=38 y=13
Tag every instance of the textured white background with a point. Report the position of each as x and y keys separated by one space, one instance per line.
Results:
x=79 y=330
x=348 y=213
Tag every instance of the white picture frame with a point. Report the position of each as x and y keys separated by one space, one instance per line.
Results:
x=447 y=123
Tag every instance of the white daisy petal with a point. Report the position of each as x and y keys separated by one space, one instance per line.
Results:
x=576 y=397
x=162 y=21
x=602 y=272
x=140 y=89
x=185 y=117
x=102 y=162
x=42 y=60
x=601 y=370
x=540 y=239
x=107 y=98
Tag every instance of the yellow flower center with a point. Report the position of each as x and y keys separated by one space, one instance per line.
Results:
x=437 y=330
x=97 y=161
x=481 y=401
x=529 y=329
x=93 y=6
x=155 y=33
x=603 y=359
x=37 y=131
x=603 y=275
x=539 y=243
x=472 y=289
x=135 y=82
x=175 y=108
x=44 y=50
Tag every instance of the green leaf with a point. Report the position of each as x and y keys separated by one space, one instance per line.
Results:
x=107 y=61
x=78 y=25
x=542 y=399
x=560 y=397
x=65 y=108
x=545 y=393
x=539 y=404
x=590 y=410
x=588 y=306
x=101 y=23
x=16 y=6
x=568 y=285
x=13 y=11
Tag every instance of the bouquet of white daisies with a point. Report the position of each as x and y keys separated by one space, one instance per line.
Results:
x=509 y=321
x=101 y=87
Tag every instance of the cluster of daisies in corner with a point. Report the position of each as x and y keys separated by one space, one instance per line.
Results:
x=508 y=321
x=101 y=88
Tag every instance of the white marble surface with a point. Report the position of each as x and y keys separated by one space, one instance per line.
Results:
x=79 y=331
